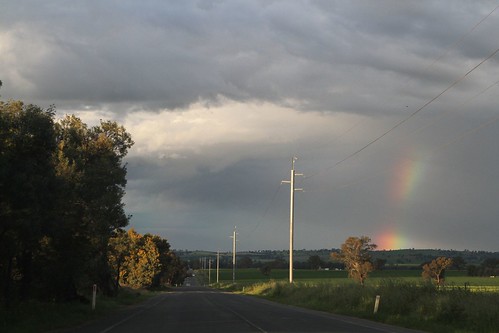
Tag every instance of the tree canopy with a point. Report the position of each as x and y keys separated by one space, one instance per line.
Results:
x=435 y=270
x=355 y=254
x=61 y=209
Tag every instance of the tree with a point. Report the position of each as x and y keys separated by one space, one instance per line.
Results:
x=379 y=264
x=355 y=254
x=61 y=191
x=27 y=181
x=266 y=270
x=458 y=263
x=490 y=267
x=278 y=263
x=118 y=251
x=435 y=270
x=315 y=262
x=172 y=270
x=142 y=262
x=245 y=262
x=92 y=181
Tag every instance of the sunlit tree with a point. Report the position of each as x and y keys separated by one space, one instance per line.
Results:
x=355 y=254
x=142 y=262
x=435 y=270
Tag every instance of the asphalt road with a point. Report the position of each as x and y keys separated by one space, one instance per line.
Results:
x=196 y=309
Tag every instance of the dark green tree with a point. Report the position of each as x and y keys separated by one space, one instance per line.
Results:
x=245 y=262
x=458 y=263
x=379 y=264
x=92 y=177
x=315 y=262
x=266 y=270
x=27 y=180
x=119 y=250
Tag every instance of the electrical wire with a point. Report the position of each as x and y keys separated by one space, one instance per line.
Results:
x=452 y=46
x=378 y=138
x=463 y=37
x=267 y=209
x=473 y=131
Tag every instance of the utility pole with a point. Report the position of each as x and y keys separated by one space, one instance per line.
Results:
x=209 y=272
x=234 y=239
x=218 y=265
x=291 y=182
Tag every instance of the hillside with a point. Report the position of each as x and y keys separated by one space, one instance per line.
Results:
x=405 y=257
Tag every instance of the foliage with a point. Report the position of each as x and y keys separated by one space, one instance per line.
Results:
x=435 y=270
x=266 y=270
x=27 y=181
x=143 y=261
x=61 y=201
x=379 y=264
x=489 y=267
x=315 y=262
x=245 y=262
x=458 y=263
x=355 y=254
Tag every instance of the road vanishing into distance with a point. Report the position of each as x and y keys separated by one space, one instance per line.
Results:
x=194 y=309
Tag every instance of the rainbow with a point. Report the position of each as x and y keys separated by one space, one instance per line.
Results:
x=390 y=239
x=407 y=174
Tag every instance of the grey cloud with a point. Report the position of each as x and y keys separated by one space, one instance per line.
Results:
x=375 y=59
x=174 y=54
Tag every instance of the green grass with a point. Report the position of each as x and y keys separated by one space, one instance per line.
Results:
x=36 y=316
x=414 y=305
x=465 y=304
x=253 y=275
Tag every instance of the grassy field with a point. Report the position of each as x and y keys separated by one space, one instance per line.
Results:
x=465 y=304
x=35 y=316
x=253 y=275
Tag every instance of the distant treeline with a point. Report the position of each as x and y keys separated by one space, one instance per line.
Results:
x=479 y=263
x=61 y=209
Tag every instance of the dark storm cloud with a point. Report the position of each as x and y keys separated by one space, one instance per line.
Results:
x=238 y=87
x=162 y=54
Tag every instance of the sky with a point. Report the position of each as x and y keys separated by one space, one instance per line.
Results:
x=391 y=108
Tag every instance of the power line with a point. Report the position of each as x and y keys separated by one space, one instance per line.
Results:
x=461 y=78
x=267 y=208
x=469 y=132
x=452 y=46
x=463 y=37
x=432 y=122
x=455 y=139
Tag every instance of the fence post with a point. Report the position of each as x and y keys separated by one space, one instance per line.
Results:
x=94 y=294
x=376 y=304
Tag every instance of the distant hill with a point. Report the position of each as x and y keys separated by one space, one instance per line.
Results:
x=420 y=256
x=393 y=258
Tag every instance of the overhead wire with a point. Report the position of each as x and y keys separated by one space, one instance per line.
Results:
x=474 y=130
x=378 y=138
x=462 y=38
x=446 y=51
x=267 y=209
x=432 y=152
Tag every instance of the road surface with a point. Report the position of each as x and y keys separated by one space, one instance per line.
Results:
x=197 y=310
